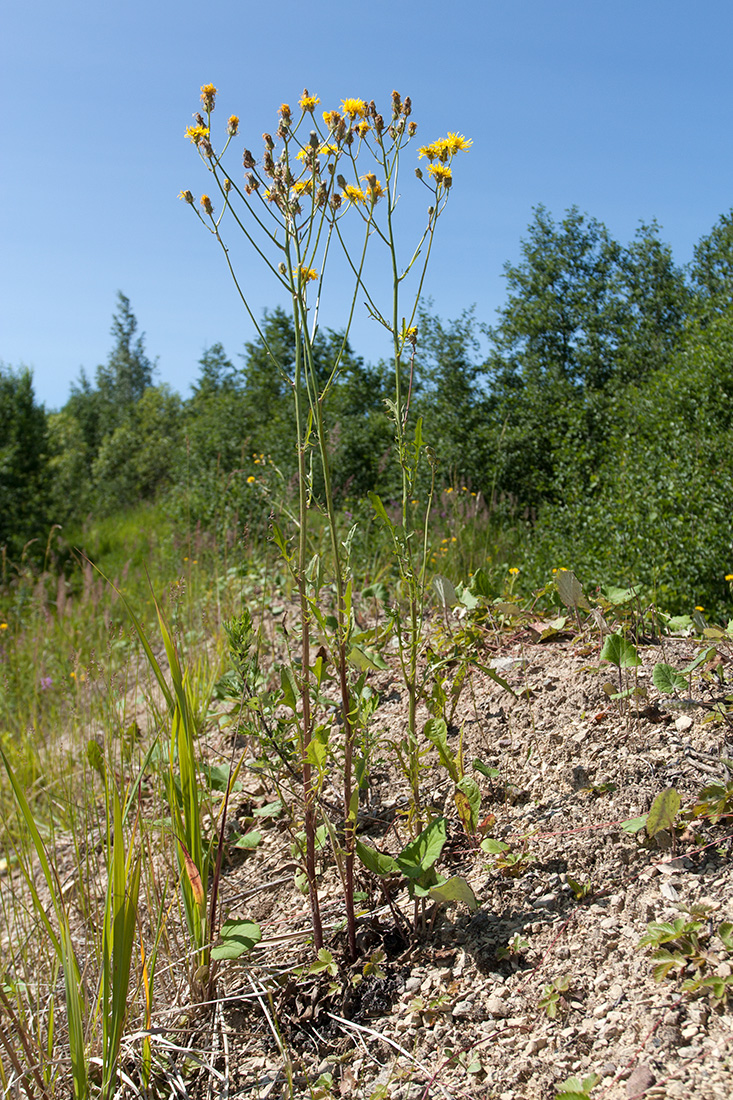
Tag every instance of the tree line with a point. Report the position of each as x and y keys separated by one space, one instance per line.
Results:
x=593 y=416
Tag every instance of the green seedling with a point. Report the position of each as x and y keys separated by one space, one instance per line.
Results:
x=576 y=1088
x=715 y=801
x=662 y=817
x=622 y=653
x=684 y=944
x=553 y=998
x=508 y=862
x=516 y=947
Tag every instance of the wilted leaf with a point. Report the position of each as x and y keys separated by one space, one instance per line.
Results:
x=468 y=803
x=570 y=590
x=445 y=591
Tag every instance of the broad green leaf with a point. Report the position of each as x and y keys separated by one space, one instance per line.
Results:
x=668 y=680
x=480 y=583
x=236 y=937
x=366 y=659
x=620 y=652
x=570 y=590
x=455 y=889
x=248 y=840
x=725 y=931
x=421 y=853
x=663 y=813
x=218 y=777
x=374 y=861
x=272 y=809
x=379 y=508
x=494 y=847
x=468 y=803
x=634 y=824
x=436 y=732
x=289 y=688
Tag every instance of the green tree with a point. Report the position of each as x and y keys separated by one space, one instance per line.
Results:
x=711 y=270
x=23 y=461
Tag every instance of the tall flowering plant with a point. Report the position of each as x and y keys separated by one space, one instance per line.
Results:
x=324 y=184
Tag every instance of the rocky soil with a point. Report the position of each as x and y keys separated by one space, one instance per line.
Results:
x=545 y=980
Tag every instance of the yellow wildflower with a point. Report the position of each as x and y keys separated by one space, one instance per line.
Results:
x=332 y=119
x=354 y=194
x=251 y=479
x=354 y=108
x=197 y=133
x=513 y=571
x=208 y=96
x=186 y=196
x=3 y=626
x=363 y=129
x=441 y=173
x=449 y=489
x=206 y=203
x=456 y=142
x=374 y=187
x=232 y=125
x=698 y=607
x=306 y=274
x=432 y=152
x=303 y=187
x=308 y=102
x=729 y=576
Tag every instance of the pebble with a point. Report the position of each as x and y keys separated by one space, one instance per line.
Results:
x=640 y=1080
x=546 y=901
x=412 y=985
x=495 y=1007
x=684 y=722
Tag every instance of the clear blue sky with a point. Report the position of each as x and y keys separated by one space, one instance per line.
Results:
x=621 y=108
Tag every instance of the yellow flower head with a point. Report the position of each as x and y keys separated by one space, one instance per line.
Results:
x=331 y=119
x=232 y=125
x=354 y=108
x=306 y=274
x=354 y=194
x=308 y=102
x=3 y=626
x=284 y=112
x=186 y=196
x=303 y=187
x=441 y=173
x=374 y=188
x=456 y=142
x=513 y=571
x=197 y=133
x=251 y=479
x=729 y=576
x=363 y=129
x=208 y=96
x=206 y=203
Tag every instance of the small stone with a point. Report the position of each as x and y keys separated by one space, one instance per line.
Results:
x=495 y=1007
x=640 y=1080
x=536 y=1044
x=684 y=722
x=463 y=1010
x=412 y=985
x=546 y=901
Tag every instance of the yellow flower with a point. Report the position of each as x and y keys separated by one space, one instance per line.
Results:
x=354 y=194
x=513 y=571
x=729 y=576
x=284 y=112
x=449 y=489
x=186 y=196
x=308 y=102
x=232 y=125
x=197 y=133
x=441 y=173
x=363 y=129
x=354 y=108
x=3 y=626
x=208 y=96
x=306 y=274
x=332 y=119
x=429 y=151
x=251 y=479
x=456 y=142
x=374 y=187
x=206 y=203
x=303 y=187
x=698 y=608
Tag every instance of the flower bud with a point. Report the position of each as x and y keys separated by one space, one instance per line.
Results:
x=378 y=123
x=186 y=196
x=206 y=204
x=335 y=201
x=284 y=110
x=267 y=138
x=313 y=139
x=282 y=131
x=411 y=128
x=341 y=181
x=282 y=268
x=208 y=97
x=232 y=125
x=396 y=104
x=418 y=173
x=407 y=107
x=248 y=160
x=227 y=185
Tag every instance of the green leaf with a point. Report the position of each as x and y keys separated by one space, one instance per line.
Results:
x=366 y=659
x=436 y=732
x=665 y=808
x=667 y=680
x=218 y=777
x=634 y=824
x=420 y=854
x=620 y=652
x=570 y=590
x=236 y=937
x=379 y=508
x=725 y=932
x=374 y=861
x=468 y=803
x=272 y=809
x=248 y=840
x=289 y=688
x=455 y=889
x=485 y=769
x=494 y=847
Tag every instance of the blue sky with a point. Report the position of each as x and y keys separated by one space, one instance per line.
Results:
x=623 y=109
